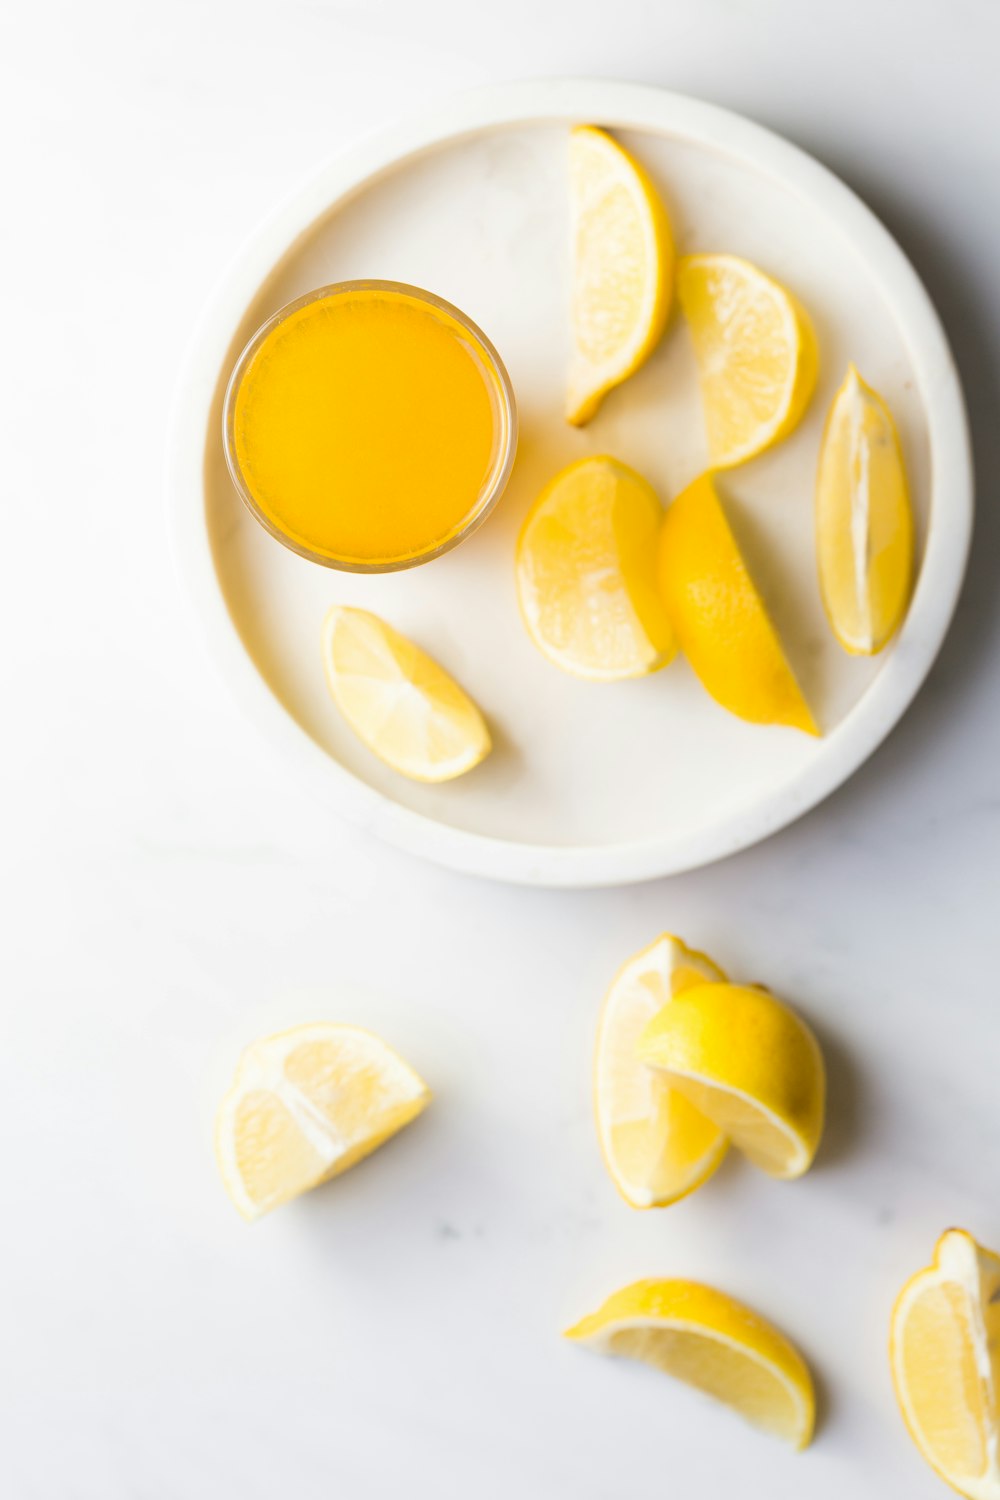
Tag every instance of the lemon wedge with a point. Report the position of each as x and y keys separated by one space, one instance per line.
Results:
x=622 y=268
x=656 y=1145
x=405 y=708
x=305 y=1106
x=944 y=1351
x=586 y=573
x=864 y=522
x=750 y=1064
x=756 y=354
x=712 y=1342
x=719 y=618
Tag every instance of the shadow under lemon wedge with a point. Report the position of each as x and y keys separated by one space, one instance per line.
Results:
x=305 y=1106
x=623 y=266
x=712 y=1342
x=944 y=1353
x=657 y=1147
x=586 y=573
x=756 y=353
x=719 y=618
x=399 y=702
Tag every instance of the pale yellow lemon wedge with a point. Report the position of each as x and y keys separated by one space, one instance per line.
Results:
x=748 y=1063
x=944 y=1350
x=622 y=268
x=756 y=354
x=712 y=1342
x=405 y=708
x=305 y=1106
x=656 y=1145
x=719 y=618
x=586 y=573
x=864 y=522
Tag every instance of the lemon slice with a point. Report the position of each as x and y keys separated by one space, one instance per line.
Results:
x=305 y=1106
x=750 y=1064
x=656 y=1145
x=756 y=354
x=719 y=618
x=864 y=523
x=712 y=1342
x=622 y=268
x=944 y=1351
x=586 y=573
x=398 y=701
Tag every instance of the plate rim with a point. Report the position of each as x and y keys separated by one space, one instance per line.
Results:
x=619 y=106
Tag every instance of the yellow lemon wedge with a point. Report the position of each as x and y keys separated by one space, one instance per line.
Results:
x=719 y=618
x=748 y=1063
x=622 y=268
x=586 y=573
x=944 y=1350
x=405 y=708
x=712 y=1342
x=864 y=521
x=305 y=1106
x=756 y=353
x=657 y=1146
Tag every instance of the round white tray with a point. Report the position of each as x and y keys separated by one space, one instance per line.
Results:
x=589 y=784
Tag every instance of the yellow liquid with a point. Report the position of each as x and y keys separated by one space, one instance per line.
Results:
x=367 y=426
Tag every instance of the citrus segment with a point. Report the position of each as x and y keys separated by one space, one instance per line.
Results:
x=657 y=1147
x=622 y=268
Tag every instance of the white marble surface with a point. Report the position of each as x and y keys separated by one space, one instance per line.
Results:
x=165 y=893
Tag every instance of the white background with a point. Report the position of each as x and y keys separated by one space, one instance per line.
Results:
x=167 y=893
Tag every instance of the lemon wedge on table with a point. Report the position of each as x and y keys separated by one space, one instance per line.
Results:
x=305 y=1106
x=656 y=1145
x=719 y=618
x=864 y=522
x=756 y=354
x=944 y=1352
x=622 y=268
x=405 y=708
x=712 y=1342
x=586 y=573
x=748 y=1063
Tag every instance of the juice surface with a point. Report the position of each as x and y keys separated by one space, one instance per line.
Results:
x=366 y=425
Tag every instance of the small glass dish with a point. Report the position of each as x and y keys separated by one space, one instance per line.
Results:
x=504 y=427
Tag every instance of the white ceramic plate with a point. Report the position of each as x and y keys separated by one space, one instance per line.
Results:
x=588 y=784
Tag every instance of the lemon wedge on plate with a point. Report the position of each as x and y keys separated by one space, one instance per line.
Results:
x=586 y=573
x=712 y=1342
x=864 y=522
x=944 y=1352
x=756 y=354
x=748 y=1063
x=719 y=618
x=656 y=1145
x=405 y=708
x=305 y=1106
x=622 y=268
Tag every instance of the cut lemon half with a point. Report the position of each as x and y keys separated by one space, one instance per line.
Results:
x=712 y=1342
x=864 y=522
x=305 y=1106
x=944 y=1350
x=656 y=1145
x=720 y=619
x=622 y=268
x=405 y=708
x=750 y=1064
x=586 y=573
x=756 y=354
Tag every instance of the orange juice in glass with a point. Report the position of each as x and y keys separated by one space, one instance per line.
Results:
x=369 y=426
